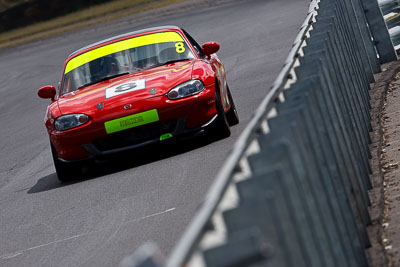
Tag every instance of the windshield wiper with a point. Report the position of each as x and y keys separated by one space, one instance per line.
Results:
x=167 y=62
x=104 y=79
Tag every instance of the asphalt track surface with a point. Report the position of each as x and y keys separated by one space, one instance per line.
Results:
x=145 y=195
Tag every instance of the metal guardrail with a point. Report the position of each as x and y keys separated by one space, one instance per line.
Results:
x=294 y=189
x=391 y=12
x=388 y=5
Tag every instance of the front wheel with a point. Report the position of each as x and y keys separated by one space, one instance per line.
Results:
x=232 y=115
x=220 y=128
x=65 y=171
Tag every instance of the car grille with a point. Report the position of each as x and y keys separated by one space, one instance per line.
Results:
x=134 y=136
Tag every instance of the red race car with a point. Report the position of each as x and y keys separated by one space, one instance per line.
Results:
x=132 y=90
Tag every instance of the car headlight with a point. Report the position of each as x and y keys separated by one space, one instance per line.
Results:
x=186 y=89
x=70 y=121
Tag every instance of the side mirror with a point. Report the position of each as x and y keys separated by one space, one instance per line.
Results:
x=210 y=48
x=48 y=91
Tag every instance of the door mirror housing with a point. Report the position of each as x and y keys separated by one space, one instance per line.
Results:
x=48 y=91
x=210 y=48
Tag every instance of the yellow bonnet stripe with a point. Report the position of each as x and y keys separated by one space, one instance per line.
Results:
x=155 y=38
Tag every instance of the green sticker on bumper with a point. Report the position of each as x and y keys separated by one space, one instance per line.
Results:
x=165 y=136
x=131 y=121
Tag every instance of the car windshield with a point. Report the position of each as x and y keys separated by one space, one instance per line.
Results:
x=124 y=57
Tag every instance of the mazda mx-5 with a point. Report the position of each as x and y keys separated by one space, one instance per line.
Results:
x=133 y=90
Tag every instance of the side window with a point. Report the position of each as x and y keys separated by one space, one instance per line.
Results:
x=196 y=46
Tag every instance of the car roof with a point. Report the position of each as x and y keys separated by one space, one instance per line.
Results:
x=124 y=35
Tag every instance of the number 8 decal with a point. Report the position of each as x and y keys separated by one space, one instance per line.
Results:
x=180 y=48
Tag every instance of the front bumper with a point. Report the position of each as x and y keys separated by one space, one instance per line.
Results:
x=95 y=152
x=183 y=117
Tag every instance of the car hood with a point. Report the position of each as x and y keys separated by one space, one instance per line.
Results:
x=128 y=88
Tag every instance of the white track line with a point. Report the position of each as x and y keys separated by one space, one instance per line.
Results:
x=151 y=215
x=20 y=252
x=12 y=255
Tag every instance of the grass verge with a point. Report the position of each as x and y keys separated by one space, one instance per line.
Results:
x=89 y=16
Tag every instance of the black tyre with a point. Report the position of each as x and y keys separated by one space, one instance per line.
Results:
x=220 y=128
x=65 y=171
x=232 y=115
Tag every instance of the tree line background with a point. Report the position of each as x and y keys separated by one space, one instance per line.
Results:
x=19 y=13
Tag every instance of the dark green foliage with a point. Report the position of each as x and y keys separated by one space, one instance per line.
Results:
x=34 y=11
